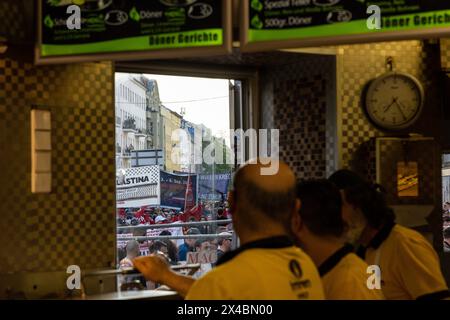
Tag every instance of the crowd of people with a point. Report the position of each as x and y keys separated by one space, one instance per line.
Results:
x=149 y=215
x=446 y=219
x=319 y=239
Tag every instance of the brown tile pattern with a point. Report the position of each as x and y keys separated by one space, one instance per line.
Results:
x=294 y=99
x=75 y=224
x=360 y=64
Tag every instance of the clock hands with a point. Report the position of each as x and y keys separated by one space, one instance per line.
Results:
x=400 y=106
x=394 y=100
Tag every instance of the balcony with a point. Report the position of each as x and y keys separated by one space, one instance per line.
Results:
x=127 y=152
x=446 y=165
x=140 y=133
x=129 y=125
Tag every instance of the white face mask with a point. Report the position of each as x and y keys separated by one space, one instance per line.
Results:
x=354 y=233
x=356 y=226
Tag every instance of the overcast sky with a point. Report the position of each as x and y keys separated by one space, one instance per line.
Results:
x=205 y=100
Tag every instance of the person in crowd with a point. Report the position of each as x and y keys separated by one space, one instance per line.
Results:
x=447 y=239
x=143 y=217
x=221 y=214
x=159 y=247
x=160 y=219
x=188 y=245
x=409 y=265
x=319 y=232
x=202 y=245
x=446 y=212
x=224 y=244
x=267 y=265
x=212 y=228
x=204 y=229
x=132 y=250
x=447 y=207
x=172 y=250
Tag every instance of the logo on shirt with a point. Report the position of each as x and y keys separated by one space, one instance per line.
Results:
x=295 y=268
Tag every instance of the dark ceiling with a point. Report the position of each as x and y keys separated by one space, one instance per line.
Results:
x=17 y=21
x=256 y=59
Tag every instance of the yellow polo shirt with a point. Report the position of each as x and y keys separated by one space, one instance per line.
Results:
x=410 y=267
x=347 y=278
x=261 y=274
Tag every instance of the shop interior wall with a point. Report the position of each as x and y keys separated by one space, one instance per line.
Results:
x=358 y=64
x=75 y=223
x=298 y=99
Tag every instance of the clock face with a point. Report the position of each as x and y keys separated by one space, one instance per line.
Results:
x=394 y=101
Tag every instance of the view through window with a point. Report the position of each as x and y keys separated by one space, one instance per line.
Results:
x=446 y=199
x=173 y=171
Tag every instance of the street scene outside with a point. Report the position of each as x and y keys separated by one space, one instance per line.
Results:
x=168 y=201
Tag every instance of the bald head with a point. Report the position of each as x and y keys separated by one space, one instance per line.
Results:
x=132 y=248
x=254 y=172
x=260 y=195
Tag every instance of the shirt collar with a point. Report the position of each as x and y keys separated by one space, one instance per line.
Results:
x=379 y=238
x=278 y=242
x=334 y=259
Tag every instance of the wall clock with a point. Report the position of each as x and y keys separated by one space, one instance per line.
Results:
x=393 y=101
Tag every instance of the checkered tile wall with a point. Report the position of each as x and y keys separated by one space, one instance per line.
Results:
x=361 y=63
x=75 y=224
x=12 y=20
x=445 y=53
x=295 y=100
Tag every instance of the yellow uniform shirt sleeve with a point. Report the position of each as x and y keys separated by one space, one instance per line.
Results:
x=418 y=268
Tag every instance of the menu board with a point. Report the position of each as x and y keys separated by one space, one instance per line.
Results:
x=271 y=24
x=109 y=28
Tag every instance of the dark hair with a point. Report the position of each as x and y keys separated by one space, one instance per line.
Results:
x=172 y=250
x=321 y=207
x=158 y=245
x=165 y=233
x=198 y=243
x=370 y=198
x=252 y=199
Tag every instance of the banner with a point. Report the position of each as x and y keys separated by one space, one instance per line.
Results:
x=284 y=20
x=138 y=187
x=213 y=187
x=122 y=244
x=174 y=231
x=173 y=189
x=202 y=257
x=130 y=25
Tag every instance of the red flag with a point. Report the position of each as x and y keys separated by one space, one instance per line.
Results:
x=189 y=196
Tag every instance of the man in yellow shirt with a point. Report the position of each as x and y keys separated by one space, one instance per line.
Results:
x=320 y=231
x=267 y=265
x=409 y=266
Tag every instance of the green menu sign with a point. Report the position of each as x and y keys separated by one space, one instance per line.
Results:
x=286 y=23
x=140 y=26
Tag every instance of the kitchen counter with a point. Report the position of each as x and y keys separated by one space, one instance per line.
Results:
x=137 y=295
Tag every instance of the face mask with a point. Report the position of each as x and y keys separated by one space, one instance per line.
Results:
x=356 y=226
x=354 y=233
